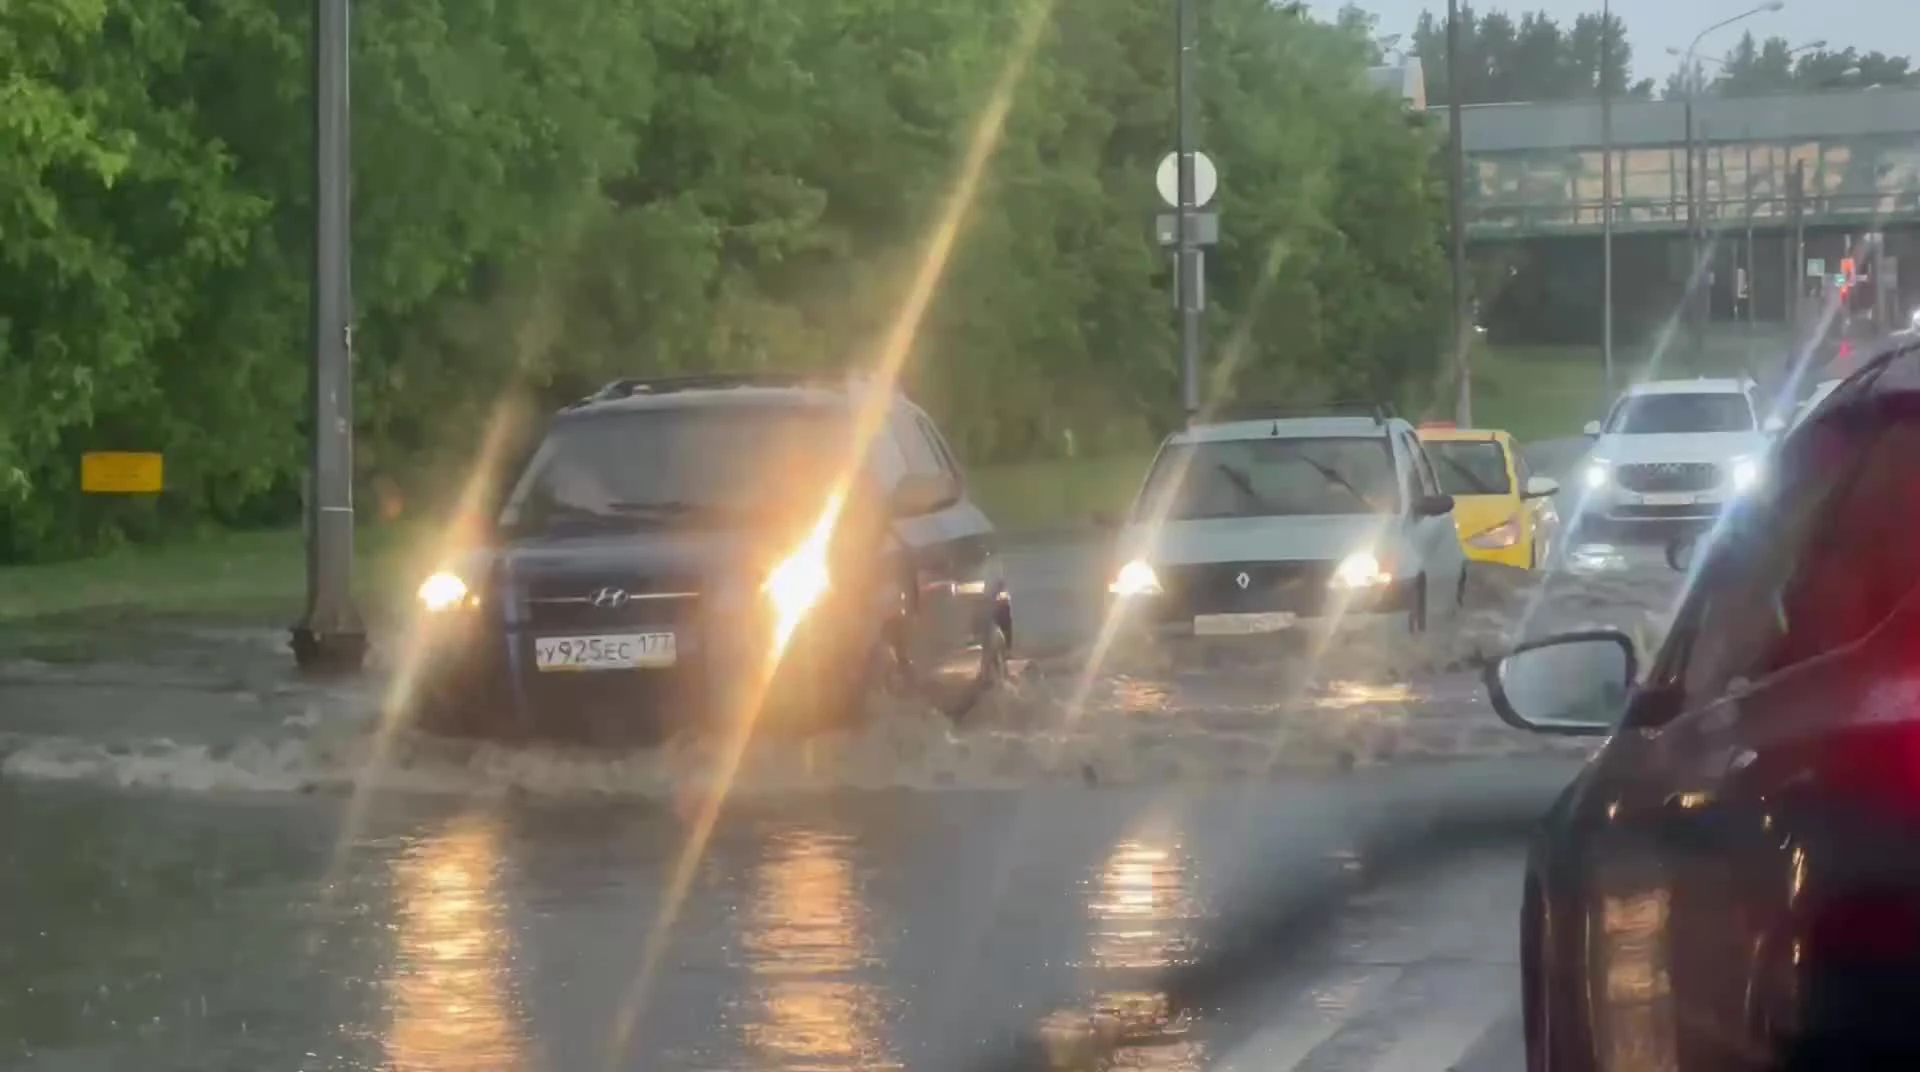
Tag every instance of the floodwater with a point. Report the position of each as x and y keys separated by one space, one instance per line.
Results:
x=206 y=865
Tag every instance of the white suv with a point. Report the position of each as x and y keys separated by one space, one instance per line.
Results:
x=1672 y=454
x=1251 y=525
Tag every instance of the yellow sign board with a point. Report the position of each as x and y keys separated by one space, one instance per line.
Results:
x=121 y=473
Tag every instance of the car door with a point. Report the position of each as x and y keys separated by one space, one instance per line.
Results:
x=979 y=579
x=1437 y=538
x=1687 y=870
x=938 y=556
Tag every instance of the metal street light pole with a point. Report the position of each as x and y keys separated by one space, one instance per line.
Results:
x=1606 y=191
x=331 y=636
x=1185 y=236
x=1457 y=216
x=1695 y=192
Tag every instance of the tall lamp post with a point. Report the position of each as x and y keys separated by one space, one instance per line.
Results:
x=1695 y=233
x=1456 y=205
x=1606 y=191
x=331 y=636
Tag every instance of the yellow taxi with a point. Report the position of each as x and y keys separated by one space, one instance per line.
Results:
x=1503 y=513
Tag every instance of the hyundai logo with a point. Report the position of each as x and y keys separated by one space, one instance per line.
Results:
x=609 y=598
x=1243 y=581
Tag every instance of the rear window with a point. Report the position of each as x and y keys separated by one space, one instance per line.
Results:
x=694 y=464
x=1272 y=478
x=1651 y=414
x=1467 y=467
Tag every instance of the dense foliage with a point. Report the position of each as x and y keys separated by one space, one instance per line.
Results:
x=552 y=192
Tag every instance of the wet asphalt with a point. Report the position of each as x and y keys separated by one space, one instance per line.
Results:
x=222 y=924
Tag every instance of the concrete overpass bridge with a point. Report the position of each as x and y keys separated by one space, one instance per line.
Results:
x=1534 y=177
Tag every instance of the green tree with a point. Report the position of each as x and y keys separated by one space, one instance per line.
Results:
x=1531 y=59
x=550 y=194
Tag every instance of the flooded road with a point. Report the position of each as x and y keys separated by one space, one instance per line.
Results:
x=848 y=931
x=172 y=806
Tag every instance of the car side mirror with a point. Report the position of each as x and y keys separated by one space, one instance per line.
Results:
x=1592 y=429
x=1433 y=506
x=1539 y=487
x=1774 y=426
x=1680 y=552
x=1571 y=685
x=919 y=494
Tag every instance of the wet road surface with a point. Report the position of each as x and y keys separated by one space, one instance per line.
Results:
x=847 y=931
x=902 y=897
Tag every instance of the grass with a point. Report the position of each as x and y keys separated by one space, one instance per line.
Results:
x=247 y=575
x=1547 y=392
x=261 y=576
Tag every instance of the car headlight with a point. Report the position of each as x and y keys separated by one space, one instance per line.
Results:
x=1504 y=535
x=1597 y=474
x=1136 y=578
x=1361 y=570
x=796 y=585
x=1745 y=473
x=443 y=592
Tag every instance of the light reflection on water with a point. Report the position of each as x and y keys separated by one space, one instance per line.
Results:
x=453 y=1003
x=1142 y=912
x=807 y=936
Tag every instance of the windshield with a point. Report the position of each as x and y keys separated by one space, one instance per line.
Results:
x=699 y=464
x=1467 y=467
x=1273 y=478
x=1668 y=414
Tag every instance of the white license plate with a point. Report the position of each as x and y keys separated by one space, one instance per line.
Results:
x=1669 y=498
x=1241 y=624
x=625 y=651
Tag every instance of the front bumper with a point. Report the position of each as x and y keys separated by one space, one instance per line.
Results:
x=1209 y=601
x=482 y=674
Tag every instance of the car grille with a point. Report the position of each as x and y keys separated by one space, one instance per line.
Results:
x=1214 y=588
x=1668 y=476
x=569 y=603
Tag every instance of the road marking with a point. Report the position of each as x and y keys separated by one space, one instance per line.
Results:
x=1309 y=1021
x=1466 y=1002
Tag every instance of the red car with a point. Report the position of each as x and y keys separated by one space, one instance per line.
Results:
x=1734 y=881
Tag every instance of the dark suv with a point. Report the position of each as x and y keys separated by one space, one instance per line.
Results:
x=680 y=548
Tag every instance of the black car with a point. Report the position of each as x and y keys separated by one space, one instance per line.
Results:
x=678 y=549
x=1734 y=881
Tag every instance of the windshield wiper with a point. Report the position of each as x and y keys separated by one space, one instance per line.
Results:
x=1473 y=479
x=1240 y=481
x=1333 y=476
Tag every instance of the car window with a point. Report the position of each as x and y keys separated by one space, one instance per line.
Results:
x=1273 y=478
x=1669 y=414
x=915 y=446
x=1740 y=623
x=941 y=453
x=1470 y=467
x=608 y=468
x=1864 y=560
x=1424 y=479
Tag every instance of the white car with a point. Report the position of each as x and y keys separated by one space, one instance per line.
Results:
x=1672 y=454
x=1255 y=525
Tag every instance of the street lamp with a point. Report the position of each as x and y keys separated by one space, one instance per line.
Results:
x=331 y=637
x=1457 y=217
x=1688 y=72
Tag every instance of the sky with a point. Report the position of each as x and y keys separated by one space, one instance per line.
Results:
x=1653 y=26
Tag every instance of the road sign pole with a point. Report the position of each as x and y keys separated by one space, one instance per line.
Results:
x=331 y=636
x=1188 y=277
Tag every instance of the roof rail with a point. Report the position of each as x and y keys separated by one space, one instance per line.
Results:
x=630 y=387
x=1380 y=412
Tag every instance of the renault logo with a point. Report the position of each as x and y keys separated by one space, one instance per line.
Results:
x=1243 y=581
x=609 y=598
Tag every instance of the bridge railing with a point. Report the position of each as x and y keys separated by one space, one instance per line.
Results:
x=1630 y=214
